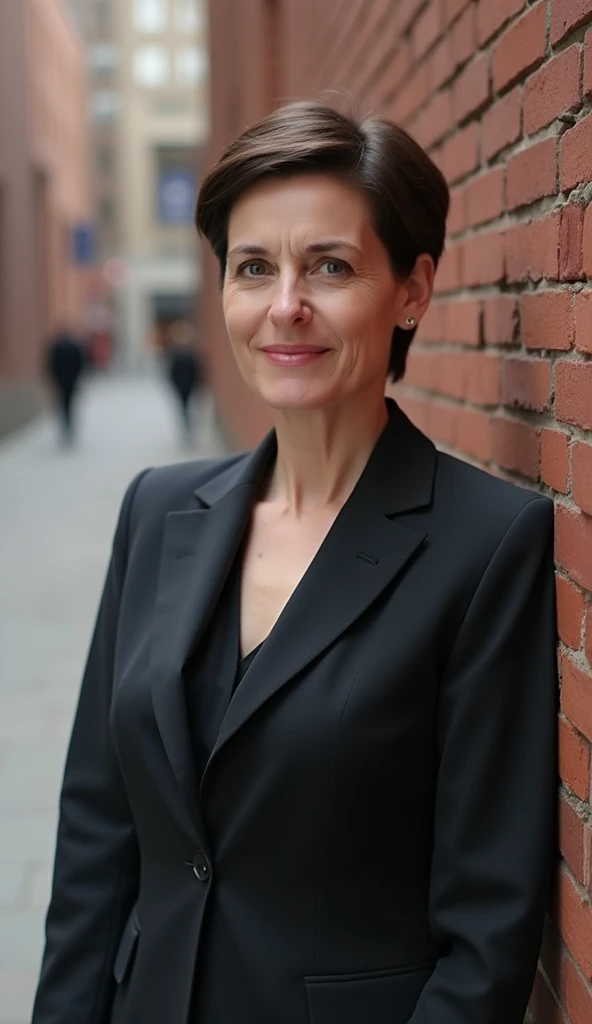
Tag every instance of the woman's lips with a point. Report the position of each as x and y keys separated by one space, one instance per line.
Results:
x=293 y=355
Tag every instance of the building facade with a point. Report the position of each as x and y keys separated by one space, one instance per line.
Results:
x=44 y=194
x=500 y=94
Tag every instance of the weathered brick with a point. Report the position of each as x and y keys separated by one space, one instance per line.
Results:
x=576 y=154
x=547 y=320
x=492 y=16
x=573 y=545
x=426 y=29
x=474 y=433
x=587 y=244
x=482 y=378
x=574 y=760
x=571 y=241
x=483 y=259
x=570 y=612
x=576 y=994
x=555 y=459
x=463 y=37
x=471 y=88
x=532 y=249
x=532 y=174
x=452 y=8
x=448 y=274
x=571 y=838
x=581 y=475
x=485 y=197
x=457 y=216
x=500 y=124
x=573 y=393
x=500 y=320
x=521 y=47
x=576 y=698
x=526 y=383
x=588 y=64
x=516 y=447
x=566 y=16
x=583 y=302
x=442 y=64
x=460 y=153
x=435 y=120
x=552 y=90
x=462 y=322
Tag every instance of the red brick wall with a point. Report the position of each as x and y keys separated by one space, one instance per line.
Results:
x=500 y=93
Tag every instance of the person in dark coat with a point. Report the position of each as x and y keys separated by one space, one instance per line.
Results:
x=65 y=363
x=182 y=368
x=312 y=776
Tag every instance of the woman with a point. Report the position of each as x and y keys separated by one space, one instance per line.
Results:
x=311 y=778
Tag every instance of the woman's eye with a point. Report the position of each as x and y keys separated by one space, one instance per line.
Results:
x=254 y=269
x=334 y=267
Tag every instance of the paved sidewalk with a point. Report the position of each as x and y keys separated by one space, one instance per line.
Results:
x=57 y=514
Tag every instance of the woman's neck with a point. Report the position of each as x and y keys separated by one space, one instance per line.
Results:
x=322 y=453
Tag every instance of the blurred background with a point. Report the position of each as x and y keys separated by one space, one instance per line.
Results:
x=113 y=354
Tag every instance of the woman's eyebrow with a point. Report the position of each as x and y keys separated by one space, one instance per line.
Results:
x=314 y=247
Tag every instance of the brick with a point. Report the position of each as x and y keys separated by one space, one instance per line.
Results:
x=492 y=16
x=463 y=37
x=555 y=459
x=475 y=434
x=552 y=90
x=516 y=447
x=422 y=370
x=482 y=378
x=570 y=612
x=575 y=920
x=576 y=697
x=532 y=249
x=588 y=64
x=471 y=88
x=588 y=858
x=573 y=393
x=426 y=30
x=462 y=322
x=526 y=383
x=571 y=838
x=500 y=320
x=486 y=197
x=566 y=16
x=448 y=275
x=547 y=320
x=521 y=47
x=532 y=174
x=574 y=760
x=588 y=635
x=434 y=121
x=431 y=326
x=576 y=154
x=583 y=312
x=413 y=96
x=576 y=994
x=571 y=242
x=587 y=256
x=581 y=475
x=500 y=125
x=457 y=216
x=483 y=259
x=452 y=379
x=442 y=64
x=461 y=153
x=452 y=8
x=442 y=422
x=573 y=545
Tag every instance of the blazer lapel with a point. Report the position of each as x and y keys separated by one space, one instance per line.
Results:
x=198 y=550
x=364 y=551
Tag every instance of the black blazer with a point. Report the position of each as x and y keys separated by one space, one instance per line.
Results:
x=371 y=838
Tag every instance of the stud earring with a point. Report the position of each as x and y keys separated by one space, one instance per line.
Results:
x=410 y=321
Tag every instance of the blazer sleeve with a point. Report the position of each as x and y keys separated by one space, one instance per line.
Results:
x=96 y=862
x=496 y=786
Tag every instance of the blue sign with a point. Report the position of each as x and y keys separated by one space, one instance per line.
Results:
x=83 y=245
x=176 y=197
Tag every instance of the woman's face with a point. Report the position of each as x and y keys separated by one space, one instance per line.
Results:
x=310 y=299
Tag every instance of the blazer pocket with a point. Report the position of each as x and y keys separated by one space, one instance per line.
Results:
x=383 y=997
x=127 y=947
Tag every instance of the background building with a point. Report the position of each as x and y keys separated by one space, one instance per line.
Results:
x=44 y=194
x=501 y=371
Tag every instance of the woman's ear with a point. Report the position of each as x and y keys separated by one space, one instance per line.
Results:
x=419 y=286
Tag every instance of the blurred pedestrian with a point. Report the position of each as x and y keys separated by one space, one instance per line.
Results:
x=182 y=369
x=65 y=363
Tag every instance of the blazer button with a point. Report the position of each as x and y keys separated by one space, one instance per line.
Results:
x=201 y=868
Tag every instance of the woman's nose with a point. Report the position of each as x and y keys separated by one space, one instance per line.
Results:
x=289 y=306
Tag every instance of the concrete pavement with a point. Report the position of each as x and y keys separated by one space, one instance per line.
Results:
x=57 y=514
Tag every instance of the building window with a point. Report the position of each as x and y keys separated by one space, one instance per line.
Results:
x=104 y=104
x=151 y=66
x=150 y=15
x=188 y=15
x=176 y=185
x=190 y=65
x=103 y=57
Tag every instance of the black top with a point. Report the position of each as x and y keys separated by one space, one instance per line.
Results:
x=215 y=669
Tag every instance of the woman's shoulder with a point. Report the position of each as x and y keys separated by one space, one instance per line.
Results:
x=161 y=489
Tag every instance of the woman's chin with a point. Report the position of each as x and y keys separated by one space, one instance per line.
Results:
x=297 y=395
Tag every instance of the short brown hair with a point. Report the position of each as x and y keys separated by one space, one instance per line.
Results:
x=407 y=194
